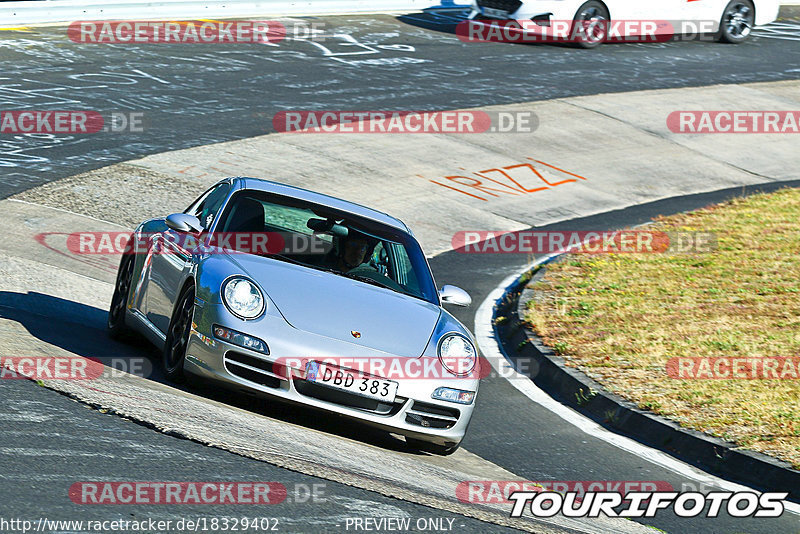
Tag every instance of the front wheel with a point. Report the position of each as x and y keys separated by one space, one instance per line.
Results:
x=590 y=25
x=737 y=22
x=178 y=335
x=426 y=446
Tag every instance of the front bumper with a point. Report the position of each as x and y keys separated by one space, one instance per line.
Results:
x=542 y=13
x=497 y=9
x=414 y=413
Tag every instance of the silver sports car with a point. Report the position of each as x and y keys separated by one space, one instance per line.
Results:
x=338 y=310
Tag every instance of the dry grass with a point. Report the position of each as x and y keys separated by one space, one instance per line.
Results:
x=620 y=317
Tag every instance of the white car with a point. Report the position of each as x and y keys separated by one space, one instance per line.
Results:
x=732 y=20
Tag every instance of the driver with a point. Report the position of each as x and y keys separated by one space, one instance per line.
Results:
x=352 y=252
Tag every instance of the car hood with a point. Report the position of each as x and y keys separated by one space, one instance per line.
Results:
x=337 y=307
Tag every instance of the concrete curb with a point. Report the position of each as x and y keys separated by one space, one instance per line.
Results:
x=570 y=386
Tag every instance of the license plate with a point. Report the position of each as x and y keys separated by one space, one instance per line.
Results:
x=496 y=13
x=351 y=382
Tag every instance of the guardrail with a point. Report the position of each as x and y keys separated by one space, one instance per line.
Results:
x=44 y=11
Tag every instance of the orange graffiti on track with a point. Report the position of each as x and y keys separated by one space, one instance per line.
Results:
x=512 y=180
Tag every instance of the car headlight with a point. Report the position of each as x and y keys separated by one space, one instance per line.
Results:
x=457 y=354
x=242 y=297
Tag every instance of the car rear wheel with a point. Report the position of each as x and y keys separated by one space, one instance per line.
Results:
x=116 y=312
x=590 y=25
x=178 y=335
x=426 y=446
x=737 y=22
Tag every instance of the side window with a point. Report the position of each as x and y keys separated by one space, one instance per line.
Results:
x=207 y=206
x=404 y=270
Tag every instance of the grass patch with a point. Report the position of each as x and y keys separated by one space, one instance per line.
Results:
x=620 y=317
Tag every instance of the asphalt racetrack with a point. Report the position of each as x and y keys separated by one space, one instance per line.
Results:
x=192 y=95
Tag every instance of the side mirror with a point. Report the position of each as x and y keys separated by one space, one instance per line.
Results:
x=183 y=222
x=455 y=296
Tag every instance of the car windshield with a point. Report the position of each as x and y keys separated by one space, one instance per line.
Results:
x=339 y=242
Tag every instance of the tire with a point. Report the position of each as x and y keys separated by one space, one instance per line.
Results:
x=590 y=25
x=737 y=22
x=433 y=448
x=178 y=332
x=117 y=328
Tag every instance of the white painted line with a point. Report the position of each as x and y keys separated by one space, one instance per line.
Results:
x=489 y=346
